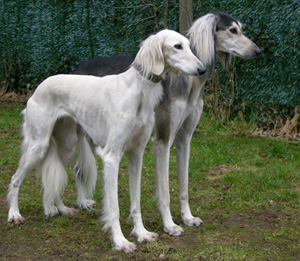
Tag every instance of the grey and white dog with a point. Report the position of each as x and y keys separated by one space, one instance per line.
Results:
x=212 y=36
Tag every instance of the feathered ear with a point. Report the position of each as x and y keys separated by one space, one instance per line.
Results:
x=202 y=38
x=150 y=56
x=225 y=59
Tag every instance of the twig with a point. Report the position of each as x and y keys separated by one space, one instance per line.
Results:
x=131 y=22
x=127 y=7
x=166 y=14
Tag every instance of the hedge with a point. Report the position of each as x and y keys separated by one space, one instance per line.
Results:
x=39 y=38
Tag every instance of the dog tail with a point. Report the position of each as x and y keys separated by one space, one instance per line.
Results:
x=86 y=173
x=54 y=177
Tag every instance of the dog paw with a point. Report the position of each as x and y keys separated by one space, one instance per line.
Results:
x=87 y=204
x=15 y=219
x=174 y=230
x=147 y=237
x=144 y=236
x=126 y=247
x=68 y=211
x=192 y=222
x=51 y=211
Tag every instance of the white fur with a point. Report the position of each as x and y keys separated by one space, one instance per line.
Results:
x=117 y=113
x=86 y=181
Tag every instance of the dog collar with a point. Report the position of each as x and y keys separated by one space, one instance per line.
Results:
x=152 y=77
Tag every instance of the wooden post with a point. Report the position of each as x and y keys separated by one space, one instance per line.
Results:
x=185 y=15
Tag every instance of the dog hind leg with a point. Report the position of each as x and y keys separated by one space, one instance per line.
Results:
x=52 y=170
x=86 y=174
x=54 y=178
x=33 y=152
x=66 y=139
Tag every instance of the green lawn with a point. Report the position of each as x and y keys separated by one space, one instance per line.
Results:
x=246 y=189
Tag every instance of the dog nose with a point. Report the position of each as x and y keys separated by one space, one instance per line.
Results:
x=201 y=70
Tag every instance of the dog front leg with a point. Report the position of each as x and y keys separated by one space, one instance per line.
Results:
x=135 y=168
x=162 y=156
x=111 y=212
x=183 y=141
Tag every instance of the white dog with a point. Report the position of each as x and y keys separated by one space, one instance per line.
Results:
x=212 y=36
x=117 y=113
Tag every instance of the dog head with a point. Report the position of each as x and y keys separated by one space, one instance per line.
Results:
x=221 y=34
x=167 y=50
x=230 y=38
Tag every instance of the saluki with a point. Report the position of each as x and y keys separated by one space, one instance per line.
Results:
x=215 y=35
x=116 y=112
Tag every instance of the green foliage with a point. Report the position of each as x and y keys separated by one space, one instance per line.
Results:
x=41 y=38
x=272 y=78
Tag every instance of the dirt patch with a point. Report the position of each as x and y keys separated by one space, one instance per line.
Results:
x=268 y=219
x=220 y=171
x=14 y=97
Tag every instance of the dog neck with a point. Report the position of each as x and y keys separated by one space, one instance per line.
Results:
x=151 y=77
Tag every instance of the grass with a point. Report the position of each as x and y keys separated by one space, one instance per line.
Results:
x=246 y=189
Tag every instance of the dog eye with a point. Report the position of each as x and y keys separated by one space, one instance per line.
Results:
x=233 y=30
x=178 y=46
